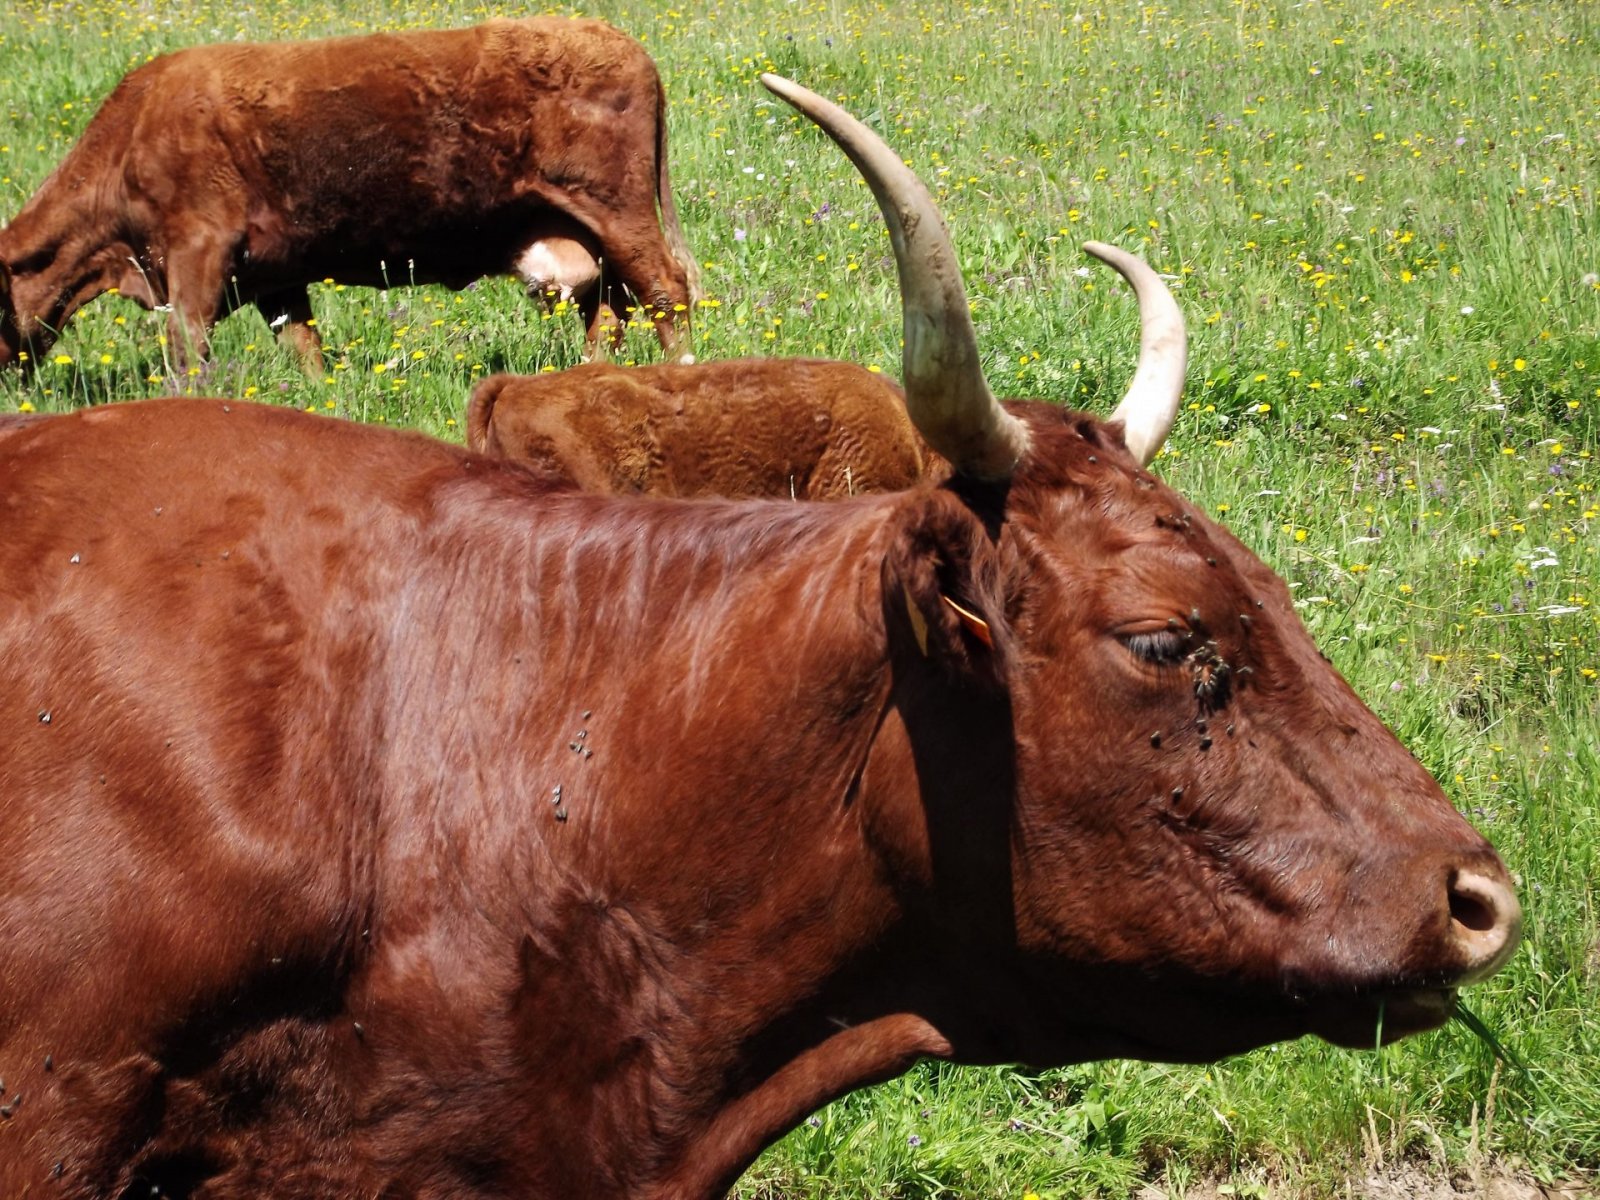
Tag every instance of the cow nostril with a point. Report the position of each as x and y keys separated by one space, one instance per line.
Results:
x=1485 y=920
x=1471 y=912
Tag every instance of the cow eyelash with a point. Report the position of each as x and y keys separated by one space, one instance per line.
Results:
x=1164 y=647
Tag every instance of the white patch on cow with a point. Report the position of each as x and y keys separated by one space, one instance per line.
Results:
x=557 y=267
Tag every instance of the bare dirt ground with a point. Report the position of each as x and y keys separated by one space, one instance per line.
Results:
x=1399 y=1182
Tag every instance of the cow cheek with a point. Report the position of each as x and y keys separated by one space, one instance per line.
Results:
x=1092 y=883
x=1148 y=842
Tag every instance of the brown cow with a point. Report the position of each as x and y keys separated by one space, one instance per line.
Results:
x=236 y=174
x=810 y=429
x=382 y=819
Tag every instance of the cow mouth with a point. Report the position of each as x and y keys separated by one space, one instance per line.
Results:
x=1352 y=1021
x=1379 y=1018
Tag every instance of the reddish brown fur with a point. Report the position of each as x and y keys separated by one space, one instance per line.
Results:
x=286 y=908
x=236 y=174
x=10 y=421
x=808 y=429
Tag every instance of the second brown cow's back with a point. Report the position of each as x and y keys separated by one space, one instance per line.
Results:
x=810 y=429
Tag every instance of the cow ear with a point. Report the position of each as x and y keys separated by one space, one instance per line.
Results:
x=942 y=597
x=480 y=414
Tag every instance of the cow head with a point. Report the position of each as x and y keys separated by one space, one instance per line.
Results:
x=10 y=342
x=1168 y=828
x=24 y=336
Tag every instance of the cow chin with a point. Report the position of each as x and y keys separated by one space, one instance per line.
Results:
x=1383 y=1018
x=1352 y=1022
x=1121 y=1012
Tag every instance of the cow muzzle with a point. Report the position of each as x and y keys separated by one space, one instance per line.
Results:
x=1483 y=928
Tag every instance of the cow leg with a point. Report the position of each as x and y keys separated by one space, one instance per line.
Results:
x=289 y=313
x=639 y=260
x=196 y=272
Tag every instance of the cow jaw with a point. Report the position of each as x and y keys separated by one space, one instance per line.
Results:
x=13 y=343
x=9 y=341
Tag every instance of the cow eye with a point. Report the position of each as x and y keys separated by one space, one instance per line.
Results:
x=1161 y=646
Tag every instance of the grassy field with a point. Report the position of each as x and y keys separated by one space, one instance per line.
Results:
x=1380 y=217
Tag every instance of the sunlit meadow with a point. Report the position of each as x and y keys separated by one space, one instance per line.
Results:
x=1381 y=221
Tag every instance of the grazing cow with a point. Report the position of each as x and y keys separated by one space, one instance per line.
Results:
x=226 y=175
x=810 y=429
x=383 y=819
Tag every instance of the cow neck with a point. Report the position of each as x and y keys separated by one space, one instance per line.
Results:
x=867 y=1020
x=698 y=1027
x=832 y=1053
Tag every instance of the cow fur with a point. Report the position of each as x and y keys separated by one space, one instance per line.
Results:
x=808 y=429
x=229 y=175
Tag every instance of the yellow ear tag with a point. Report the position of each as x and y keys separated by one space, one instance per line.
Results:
x=976 y=625
x=919 y=623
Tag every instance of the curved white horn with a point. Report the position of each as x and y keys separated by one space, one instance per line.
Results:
x=1151 y=404
x=946 y=395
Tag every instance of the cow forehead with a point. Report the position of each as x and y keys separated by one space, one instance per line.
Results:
x=1079 y=482
x=1081 y=499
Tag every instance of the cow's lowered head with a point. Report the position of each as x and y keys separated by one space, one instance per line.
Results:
x=1195 y=798
x=10 y=339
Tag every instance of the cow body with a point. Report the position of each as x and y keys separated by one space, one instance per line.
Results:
x=308 y=890
x=384 y=819
x=808 y=429
x=236 y=174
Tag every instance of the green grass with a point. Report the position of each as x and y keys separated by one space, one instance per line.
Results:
x=1381 y=221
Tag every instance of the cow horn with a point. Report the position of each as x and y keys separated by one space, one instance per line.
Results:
x=946 y=395
x=1150 y=406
